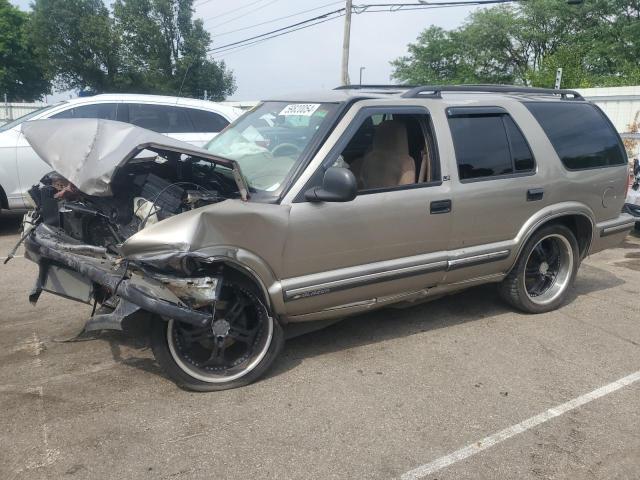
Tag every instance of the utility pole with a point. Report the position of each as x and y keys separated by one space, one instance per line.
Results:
x=361 y=70
x=558 y=78
x=345 y=44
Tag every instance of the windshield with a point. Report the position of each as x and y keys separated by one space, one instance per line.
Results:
x=269 y=141
x=24 y=118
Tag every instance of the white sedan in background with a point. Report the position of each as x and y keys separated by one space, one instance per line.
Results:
x=192 y=121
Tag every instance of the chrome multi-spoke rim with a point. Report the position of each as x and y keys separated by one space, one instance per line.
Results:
x=228 y=347
x=548 y=269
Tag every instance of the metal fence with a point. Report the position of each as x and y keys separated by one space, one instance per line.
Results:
x=9 y=111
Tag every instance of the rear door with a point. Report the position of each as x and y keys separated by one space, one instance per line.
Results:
x=496 y=188
x=388 y=241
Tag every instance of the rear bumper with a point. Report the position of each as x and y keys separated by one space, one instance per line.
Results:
x=48 y=246
x=610 y=233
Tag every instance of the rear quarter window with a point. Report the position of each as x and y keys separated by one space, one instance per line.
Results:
x=206 y=122
x=580 y=134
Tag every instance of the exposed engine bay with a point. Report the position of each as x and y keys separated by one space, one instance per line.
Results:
x=76 y=238
x=144 y=192
x=110 y=181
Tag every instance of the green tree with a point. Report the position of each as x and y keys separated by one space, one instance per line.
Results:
x=21 y=77
x=77 y=43
x=167 y=50
x=597 y=43
x=142 y=46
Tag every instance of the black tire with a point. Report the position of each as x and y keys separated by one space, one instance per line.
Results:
x=181 y=366
x=529 y=286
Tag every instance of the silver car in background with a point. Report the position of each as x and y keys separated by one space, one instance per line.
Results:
x=318 y=206
x=190 y=120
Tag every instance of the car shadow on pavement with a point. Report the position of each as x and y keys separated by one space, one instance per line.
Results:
x=464 y=307
x=10 y=224
x=133 y=348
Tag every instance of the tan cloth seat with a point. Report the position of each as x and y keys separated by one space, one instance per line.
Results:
x=388 y=164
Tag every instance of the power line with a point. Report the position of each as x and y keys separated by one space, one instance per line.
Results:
x=277 y=19
x=233 y=19
x=278 y=30
x=228 y=12
x=358 y=9
x=245 y=46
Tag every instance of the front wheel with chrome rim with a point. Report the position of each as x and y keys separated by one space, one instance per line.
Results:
x=234 y=349
x=544 y=271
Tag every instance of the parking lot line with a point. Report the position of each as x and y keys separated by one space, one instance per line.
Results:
x=487 y=442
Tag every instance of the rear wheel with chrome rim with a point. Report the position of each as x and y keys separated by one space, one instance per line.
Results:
x=545 y=270
x=235 y=348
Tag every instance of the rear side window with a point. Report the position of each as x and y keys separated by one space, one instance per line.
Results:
x=160 y=118
x=206 y=122
x=489 y=145
x=580 y=134
x=106 y=111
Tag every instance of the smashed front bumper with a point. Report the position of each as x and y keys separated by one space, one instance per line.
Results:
x=66 y=263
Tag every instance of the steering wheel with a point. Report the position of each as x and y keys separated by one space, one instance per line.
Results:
x=285 y=149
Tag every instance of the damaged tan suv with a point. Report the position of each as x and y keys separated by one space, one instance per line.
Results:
x=315 y=207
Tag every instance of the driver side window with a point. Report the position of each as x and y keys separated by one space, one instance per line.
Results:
x=391 y=150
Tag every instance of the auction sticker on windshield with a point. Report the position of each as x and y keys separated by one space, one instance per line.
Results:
x=300 y=109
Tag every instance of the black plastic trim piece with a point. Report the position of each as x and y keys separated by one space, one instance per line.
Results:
x=612 y=230
x=325 y=288
x=470 y=111
x=434 y=91
x=398 y=188
x=363 y=280
x=374 y=87
x=438 y=207
x=535 y=194
x=528 y=173
x=474 y=260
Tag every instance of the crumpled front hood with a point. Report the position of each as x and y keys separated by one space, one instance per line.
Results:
x=89 y=151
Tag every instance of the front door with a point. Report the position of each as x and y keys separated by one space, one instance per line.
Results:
x=392 y=238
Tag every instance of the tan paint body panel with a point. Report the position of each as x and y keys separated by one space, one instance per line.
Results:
x=326 y=260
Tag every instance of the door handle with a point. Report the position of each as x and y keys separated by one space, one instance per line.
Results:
x=440 y=206
x=534 y=194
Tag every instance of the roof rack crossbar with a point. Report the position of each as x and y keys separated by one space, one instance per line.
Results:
x=374 y=87
x=436 y=90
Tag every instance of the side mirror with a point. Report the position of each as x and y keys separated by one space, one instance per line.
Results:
x=636 y=167
x=338 y=185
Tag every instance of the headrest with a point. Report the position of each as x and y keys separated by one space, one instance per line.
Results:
x=391 y=135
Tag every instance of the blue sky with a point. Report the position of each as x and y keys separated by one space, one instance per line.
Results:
x=310 y=58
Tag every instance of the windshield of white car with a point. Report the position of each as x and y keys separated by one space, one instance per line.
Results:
x=24 y=118
x=269 y=141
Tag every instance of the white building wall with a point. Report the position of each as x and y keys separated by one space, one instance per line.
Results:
x=621 y=104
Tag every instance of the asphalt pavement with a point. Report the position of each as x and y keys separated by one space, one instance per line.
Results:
x=460 y=388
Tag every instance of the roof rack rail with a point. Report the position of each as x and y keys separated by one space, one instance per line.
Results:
x=374 y=87
x=436 y=90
